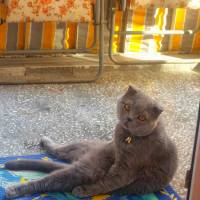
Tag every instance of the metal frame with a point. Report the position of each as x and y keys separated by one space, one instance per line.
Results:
x=123 y=32
x=194 y=179
x=98 y=36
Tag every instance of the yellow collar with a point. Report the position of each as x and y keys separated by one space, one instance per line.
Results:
x=129 y=140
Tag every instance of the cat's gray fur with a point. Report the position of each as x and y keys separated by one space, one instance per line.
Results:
x=144 y=165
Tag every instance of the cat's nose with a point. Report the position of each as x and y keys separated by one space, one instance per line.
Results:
x=129 y=119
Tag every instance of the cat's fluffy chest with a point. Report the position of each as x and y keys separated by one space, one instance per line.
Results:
x=133 y=152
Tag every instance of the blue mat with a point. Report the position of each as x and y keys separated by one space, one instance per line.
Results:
x=11 y=177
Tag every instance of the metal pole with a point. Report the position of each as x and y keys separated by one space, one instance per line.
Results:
x=124 y=27
x=193 y=190
x=101 y=40
x=158 y=32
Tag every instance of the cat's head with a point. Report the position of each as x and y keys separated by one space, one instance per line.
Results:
x=138 y=112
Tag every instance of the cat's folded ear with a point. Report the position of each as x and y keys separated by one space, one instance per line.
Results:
x=157 y=110
x=131 y=90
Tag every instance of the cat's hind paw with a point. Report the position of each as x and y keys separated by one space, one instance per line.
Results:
x=11 y=192
x=80 y=192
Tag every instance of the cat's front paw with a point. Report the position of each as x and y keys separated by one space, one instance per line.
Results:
x=11 y=192
x=45 y=142
x=80 y=192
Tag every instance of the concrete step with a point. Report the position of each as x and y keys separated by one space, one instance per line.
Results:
x=51 y=69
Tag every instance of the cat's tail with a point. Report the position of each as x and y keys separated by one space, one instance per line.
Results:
x=34 y=165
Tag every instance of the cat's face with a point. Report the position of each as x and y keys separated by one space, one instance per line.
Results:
x=137 y=112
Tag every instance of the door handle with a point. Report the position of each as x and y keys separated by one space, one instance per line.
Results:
x=3 y=11
x=2 y=21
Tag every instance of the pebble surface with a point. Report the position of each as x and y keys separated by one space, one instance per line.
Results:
x=71 y=112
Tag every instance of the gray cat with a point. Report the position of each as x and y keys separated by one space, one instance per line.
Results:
x=140 y=159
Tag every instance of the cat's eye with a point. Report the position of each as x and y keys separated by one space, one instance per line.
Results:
x=126 y=107
x=142 y=118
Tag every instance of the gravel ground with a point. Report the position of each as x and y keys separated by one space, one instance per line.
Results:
x=68 y=113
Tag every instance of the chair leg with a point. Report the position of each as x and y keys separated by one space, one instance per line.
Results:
x=100 y=30
x=101 y=40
